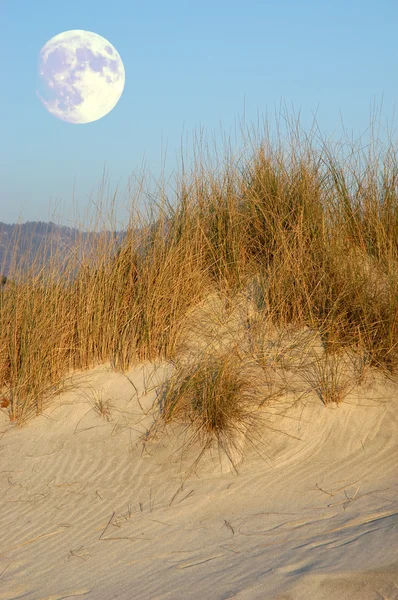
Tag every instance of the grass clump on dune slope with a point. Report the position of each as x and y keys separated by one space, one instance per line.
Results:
x=216 y=397
x=320 y=234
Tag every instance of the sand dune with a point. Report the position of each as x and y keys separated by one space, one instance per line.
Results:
x=87 y=511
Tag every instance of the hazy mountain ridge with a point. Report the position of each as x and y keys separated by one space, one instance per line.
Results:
x=35 y=241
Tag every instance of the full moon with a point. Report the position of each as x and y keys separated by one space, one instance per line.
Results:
x=81 y=76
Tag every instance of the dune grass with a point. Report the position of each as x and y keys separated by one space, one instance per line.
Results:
x=316 y=232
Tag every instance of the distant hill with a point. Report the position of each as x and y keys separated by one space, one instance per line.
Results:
x=35 y=241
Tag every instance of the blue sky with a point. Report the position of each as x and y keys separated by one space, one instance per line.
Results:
x=190 y=66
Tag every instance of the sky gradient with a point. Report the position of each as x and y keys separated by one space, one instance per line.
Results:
x=189 y=67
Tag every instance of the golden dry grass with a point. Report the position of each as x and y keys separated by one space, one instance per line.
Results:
x=317 y=235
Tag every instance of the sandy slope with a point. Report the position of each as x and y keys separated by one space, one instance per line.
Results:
x=313 y=512
x=86 y=513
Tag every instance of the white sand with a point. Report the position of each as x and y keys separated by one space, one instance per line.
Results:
x=86 y=512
